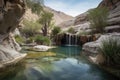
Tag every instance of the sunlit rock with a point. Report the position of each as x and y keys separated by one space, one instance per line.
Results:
x=41 y=48
x=92 y=47
x=10 y=16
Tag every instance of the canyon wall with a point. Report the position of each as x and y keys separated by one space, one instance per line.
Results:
x=11 y=12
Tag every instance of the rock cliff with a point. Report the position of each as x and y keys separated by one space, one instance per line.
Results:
x=11 y=12
x=113 y=18
x=113 y=28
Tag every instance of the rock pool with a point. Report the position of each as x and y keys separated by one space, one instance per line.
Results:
x=61 y=63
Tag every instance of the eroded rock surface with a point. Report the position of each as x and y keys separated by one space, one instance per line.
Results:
x=91 y=48
x=11 y=12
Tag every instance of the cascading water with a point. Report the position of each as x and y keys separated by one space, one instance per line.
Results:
x=70 y=39
x=76 y=39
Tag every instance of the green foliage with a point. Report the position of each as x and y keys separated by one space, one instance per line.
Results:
x=30 y=28
x=84 y=33
x=46 y=17
x=98 y=18
x=45 y=21
x=111 y=51
x=71 y=30
x=42 y=40
x=19 y=39
x=56 y=30
x=30 y=40
x=36 y=6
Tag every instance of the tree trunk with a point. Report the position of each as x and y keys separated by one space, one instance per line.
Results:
x=44 y=30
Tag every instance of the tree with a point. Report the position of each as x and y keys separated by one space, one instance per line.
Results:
x=56 y=30
x=71 y=30
x=98 y=19
x=45 y=21
x=35 y=5
x=30 y=28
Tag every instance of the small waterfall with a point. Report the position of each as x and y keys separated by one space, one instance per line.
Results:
x=70 y=39
x=76 y=39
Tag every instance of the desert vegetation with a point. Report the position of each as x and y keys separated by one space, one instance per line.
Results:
x=98 y=19
x=30 y=28
x=55 y=31
x=110 y=49
x=35 y=6
x=71 y=30
x=46 y=22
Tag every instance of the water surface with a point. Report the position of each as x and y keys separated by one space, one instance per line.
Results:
x=61 y=63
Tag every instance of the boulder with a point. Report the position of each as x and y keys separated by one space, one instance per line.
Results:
x=41 y=48
x=91 y=48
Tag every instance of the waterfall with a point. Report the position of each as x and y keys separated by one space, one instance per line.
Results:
x=76 y=39
x=70 y=39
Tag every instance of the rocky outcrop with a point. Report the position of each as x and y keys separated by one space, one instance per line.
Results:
x=109 y=3
x=66 y=24
x=10 y=16
x=30 y=16
x=41 y=48
x=80 y=19
x=92 y=48
x=114 y=15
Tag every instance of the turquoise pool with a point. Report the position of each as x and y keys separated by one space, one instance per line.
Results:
x=61 y=63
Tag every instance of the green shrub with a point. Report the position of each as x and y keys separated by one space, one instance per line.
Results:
x=30 y=28
x=71 y=30
x=19 y=39
x=84 y=33
x=98 y=19
x=42 y=40
x=36 y=6
x=56 y=30
x=111 y=51
x=30 y=40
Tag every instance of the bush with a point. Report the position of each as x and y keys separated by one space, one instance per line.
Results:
x=56 y=30
x=42 y=40
x=19 y=39
x=84 y=33
x=71 y=30
x=30 y=40
x=36 y=6
x=111 y=51
x=30 y=28
x=98 y=19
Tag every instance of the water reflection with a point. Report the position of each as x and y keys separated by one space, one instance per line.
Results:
x=62 y=63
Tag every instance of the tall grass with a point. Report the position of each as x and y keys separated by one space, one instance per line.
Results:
x=110 y=49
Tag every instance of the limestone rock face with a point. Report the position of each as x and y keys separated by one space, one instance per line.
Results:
x=30 y=16
x=92 y=47
x=66 y=24
x=114 y=14
x=80 y=19
x=109 y=3
x=113 y=18
x=10 y=16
